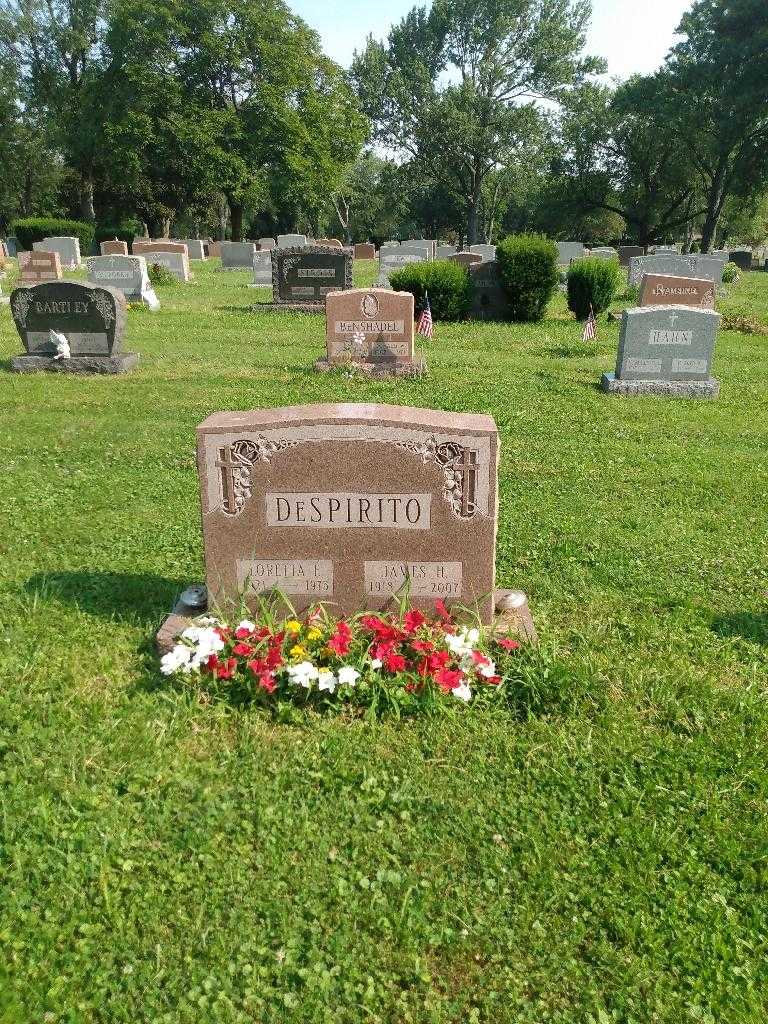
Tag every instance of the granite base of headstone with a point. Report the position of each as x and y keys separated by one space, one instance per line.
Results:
x=89 y=318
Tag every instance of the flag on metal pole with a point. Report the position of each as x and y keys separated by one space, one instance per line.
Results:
x=424 y=326
x=590 y=327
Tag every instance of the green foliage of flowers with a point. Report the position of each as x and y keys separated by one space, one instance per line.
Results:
x=731 y=273
x=592 y=283
x=528 y=269
x=160 y=276
x=448 y=284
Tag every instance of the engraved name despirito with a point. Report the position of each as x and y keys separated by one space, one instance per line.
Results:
x=343 y=510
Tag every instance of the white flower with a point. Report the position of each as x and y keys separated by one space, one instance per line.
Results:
x=208 y=620
x=326 y=680
x=191 y=633
x=348 y=676
x=488 y=669
x=462 y=643
x=376 y=663
x=247 y=624
x=463 y=692
x=303 y=674
x=176 y=659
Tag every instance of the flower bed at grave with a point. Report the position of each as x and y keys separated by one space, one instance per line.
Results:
x=404 y=661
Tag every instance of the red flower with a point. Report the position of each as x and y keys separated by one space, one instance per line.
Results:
x=267 y=682
x=492 y=680
x=340 y=641
x=242 y=633
x=448 y=679
x=222 y=632
x=257 y=666
x=413 y=619
x=394 y=662
x=441 y=611
x=383 y=650
x=274 y=658
x=226 y=669
x=479 y=658
x=242 y=650
x=423 y=646
x=383 y=630
x=509 y=645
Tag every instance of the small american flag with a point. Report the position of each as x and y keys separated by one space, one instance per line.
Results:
x=590 y=327
x=424 y=325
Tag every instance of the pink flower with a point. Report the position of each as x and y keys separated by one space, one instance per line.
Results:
x=340 y=641
x=412 y=619
x=509 y=645
x=394 y=662
x=448 y=679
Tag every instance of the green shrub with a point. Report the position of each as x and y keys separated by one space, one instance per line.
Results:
x=592 y=282
x=529 y=274
x=35 y=229
x=731 y=273
x=160 y=276
x=448 y=284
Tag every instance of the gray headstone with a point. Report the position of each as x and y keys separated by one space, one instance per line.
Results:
x=394 y=259
x=262 y=268
x=710 y=268
x=488 y=252
x=489 y=300
x=176 y=263
x=444 y=252
x=91 y=317
x=12 y=245
x=267 y=244
x=605 y=253
x=237 y=255
x=568 y=251
x=389 y=245
x=67 y=248
x=127 y=274
x=667 y=343
x=195 y=248
x=291 y=241
x=672 y=265
x=628 y=252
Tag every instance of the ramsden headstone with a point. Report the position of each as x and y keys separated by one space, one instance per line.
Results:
x=90 y=317
x=126 y=273
x=302 y=277
x=663 y=290
x=489 y=300
x=665 y=351
x=372 y=330
x=36 y=267
x=114 y=247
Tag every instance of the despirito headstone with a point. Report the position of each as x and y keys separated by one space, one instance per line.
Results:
x=628 y=252
x=568 y=251
x=36 y=267
x=371 y=329
x=665 y=351
x=237 y=255
x=488 y=252
x=114 y=247
x=303 y=276
x=365 y=251
x=90 y=317
x=663 y=290
x=291 y=241
x=350 y=505
x=489 y=300
x=262 y=268
x=126 y=273
x=67 y=248
x=195 y=248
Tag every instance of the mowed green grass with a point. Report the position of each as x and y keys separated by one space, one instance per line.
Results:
x=596 y=853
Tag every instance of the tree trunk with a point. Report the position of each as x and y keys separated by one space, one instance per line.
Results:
x=236 y=216
x=166 y=227
x=715 y=202
x=87 y=209
x=223 y=217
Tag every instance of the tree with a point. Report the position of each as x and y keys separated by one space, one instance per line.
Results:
x=455 y=89
x=717 y=79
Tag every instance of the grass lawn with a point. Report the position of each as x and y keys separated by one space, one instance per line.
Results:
x=597 y=854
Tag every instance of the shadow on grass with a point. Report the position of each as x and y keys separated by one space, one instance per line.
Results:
x=746 y=625
x=127 y=597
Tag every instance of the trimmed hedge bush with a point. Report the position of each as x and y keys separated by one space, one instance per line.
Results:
x=35 y=229
x=731 y=273
x=592 y=282
x=448 y=284
x=528 y=271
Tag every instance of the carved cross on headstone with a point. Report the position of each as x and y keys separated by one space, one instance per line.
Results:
x=673 y=318
x=468 y=467
x=227 y=467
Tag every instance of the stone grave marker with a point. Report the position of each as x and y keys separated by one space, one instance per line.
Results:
x=430 y=244
x=663 y=290
x=267 y=244
x=710 y=267
x=12 y=246
x=389 y=245
x=568 y=251
x=489 y=300
x=195 y=248
x=303 y=276
x=175 y=262
x=665 y=351
x=346 y=504
x=160 y=245
x=114 y=247
x=262 y=268
x=365 y=251
x=628 y=252
x=214 y=250
x=444 y=252
x=488 y=252
x=393 y=259
x=237 y=255
x=466 y=259
x=372 y=329
x=127 y=274
x=605 y=253
x=741 y=257
x=90 y=317
x=36 y=267
x=664 y=250
x=669 y=265
x=67 y=248
x=333 y=243
x=292 y=241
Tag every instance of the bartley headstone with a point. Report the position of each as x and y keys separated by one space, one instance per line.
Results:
x=663 y=290
x=351 y=506
x=666 y=352
x=372 y=330
x=90 y=317
x=302 y=277
x=126 y=273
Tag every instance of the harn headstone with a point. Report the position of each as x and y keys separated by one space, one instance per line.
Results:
x=372 y=330
x=628 y=252
x=665 y=352
x=237 y=255
x=37 y=267
x=365 y=251
x=489 y=300
x=114 y=247
x=126 y=273
x=262 y=268
x=68 y=249
x=90 y=317
x=302 y=277
x=663 y=290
